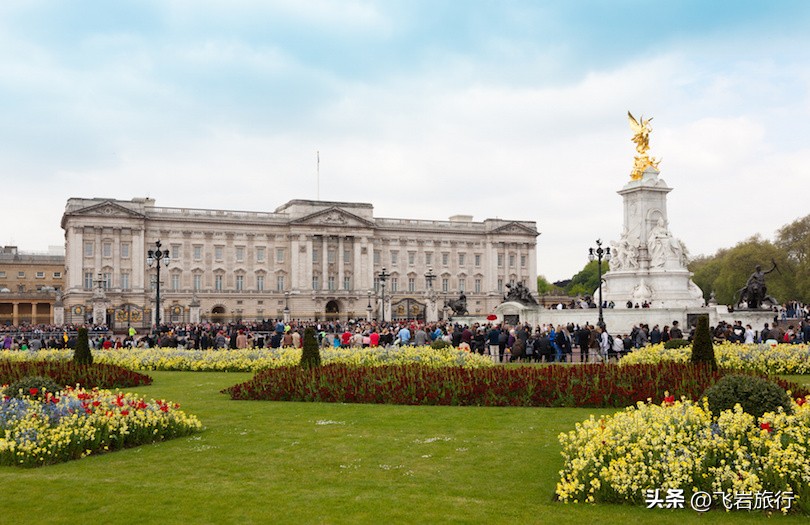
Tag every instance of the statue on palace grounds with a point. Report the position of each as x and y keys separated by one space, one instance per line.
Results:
x=641 y=129
x=662 y=246
x=459 y=306
x=519 y=293
x=625 y=252
x=755 y=292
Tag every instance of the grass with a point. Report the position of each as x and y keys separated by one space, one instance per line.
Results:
x=269 y=462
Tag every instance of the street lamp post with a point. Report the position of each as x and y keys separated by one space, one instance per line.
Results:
x=383 y=276
x=430 y=277
x=599 y=254
x=287 y=307
x=368 y=307
x=154 y=257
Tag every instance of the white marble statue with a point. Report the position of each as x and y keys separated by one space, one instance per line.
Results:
x=625 y=252
x=662 y=246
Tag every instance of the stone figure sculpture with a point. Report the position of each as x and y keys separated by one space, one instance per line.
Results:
x=663 y=246
x=518 y=292
x=459 y=306
x=755 y=292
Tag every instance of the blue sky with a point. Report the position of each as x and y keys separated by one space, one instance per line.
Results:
x=425 y=109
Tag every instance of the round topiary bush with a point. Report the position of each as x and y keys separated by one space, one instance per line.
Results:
x=438 y=344
x=754 y=394
x=32 y=386
x=676 y=343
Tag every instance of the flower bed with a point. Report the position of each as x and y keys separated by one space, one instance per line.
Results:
x=760 y=358
x=68 y=373
x=251 y=360
x=593 y=385
x=679 y=445
x=75 y=423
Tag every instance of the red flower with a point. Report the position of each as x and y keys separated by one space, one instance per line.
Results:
x=669 y=400
x=800 y=401
x=33 y=391
x=125 y=412
x=164 y=408
x=54 y=400
x=766 y=426
x=96 y=403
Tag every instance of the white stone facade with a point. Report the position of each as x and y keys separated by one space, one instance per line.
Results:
x=318 y=258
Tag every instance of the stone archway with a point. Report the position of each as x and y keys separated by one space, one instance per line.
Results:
x=332 y=310
x=218 y=314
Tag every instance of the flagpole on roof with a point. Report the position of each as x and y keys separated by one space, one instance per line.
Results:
x=318 y=176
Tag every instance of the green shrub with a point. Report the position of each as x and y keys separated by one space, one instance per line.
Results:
x=702 y=347
x=754 y=394
x=23 y=387
x=82 y=354
x=310 y=354
x=438 y=344
x=676 y=343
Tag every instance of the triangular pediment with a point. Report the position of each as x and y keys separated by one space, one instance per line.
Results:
x=108 y=209
x=515 y=227
x=333 y=216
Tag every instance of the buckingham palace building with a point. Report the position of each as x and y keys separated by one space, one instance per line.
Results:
x=310 y=260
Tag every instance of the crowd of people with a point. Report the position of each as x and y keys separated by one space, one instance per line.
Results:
x=501 y=342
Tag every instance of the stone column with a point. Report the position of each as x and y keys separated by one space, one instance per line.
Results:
x=364 y=266
x=307 y=284
x=361 y=281
x=194 y=311
x=294 y=275
x=58 y=314
x=340 y=265
x=33 y=312
x=492 y=262
x=15 y=313
x=74 y=259
x=431 y=309
x=324 y=261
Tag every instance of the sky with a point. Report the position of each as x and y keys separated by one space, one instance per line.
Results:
x=426 y=109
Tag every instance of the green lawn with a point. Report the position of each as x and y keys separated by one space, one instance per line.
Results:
x=266 y=462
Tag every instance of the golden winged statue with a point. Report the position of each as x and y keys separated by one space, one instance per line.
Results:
x=642 y=129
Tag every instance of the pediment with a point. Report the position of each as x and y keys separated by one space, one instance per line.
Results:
x=333 y=216
x=515 y=227
x=108 y=209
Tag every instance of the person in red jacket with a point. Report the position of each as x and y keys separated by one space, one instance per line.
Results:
x=374 y=338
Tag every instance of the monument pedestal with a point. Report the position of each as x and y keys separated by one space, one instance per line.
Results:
x=648 y=264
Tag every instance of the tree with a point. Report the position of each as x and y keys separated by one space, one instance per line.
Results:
x=543 y=286
x=586 y=281
x=702 y=347
x=311 y=354
x=728 y=271
x=82 y=354
x=794 y=240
